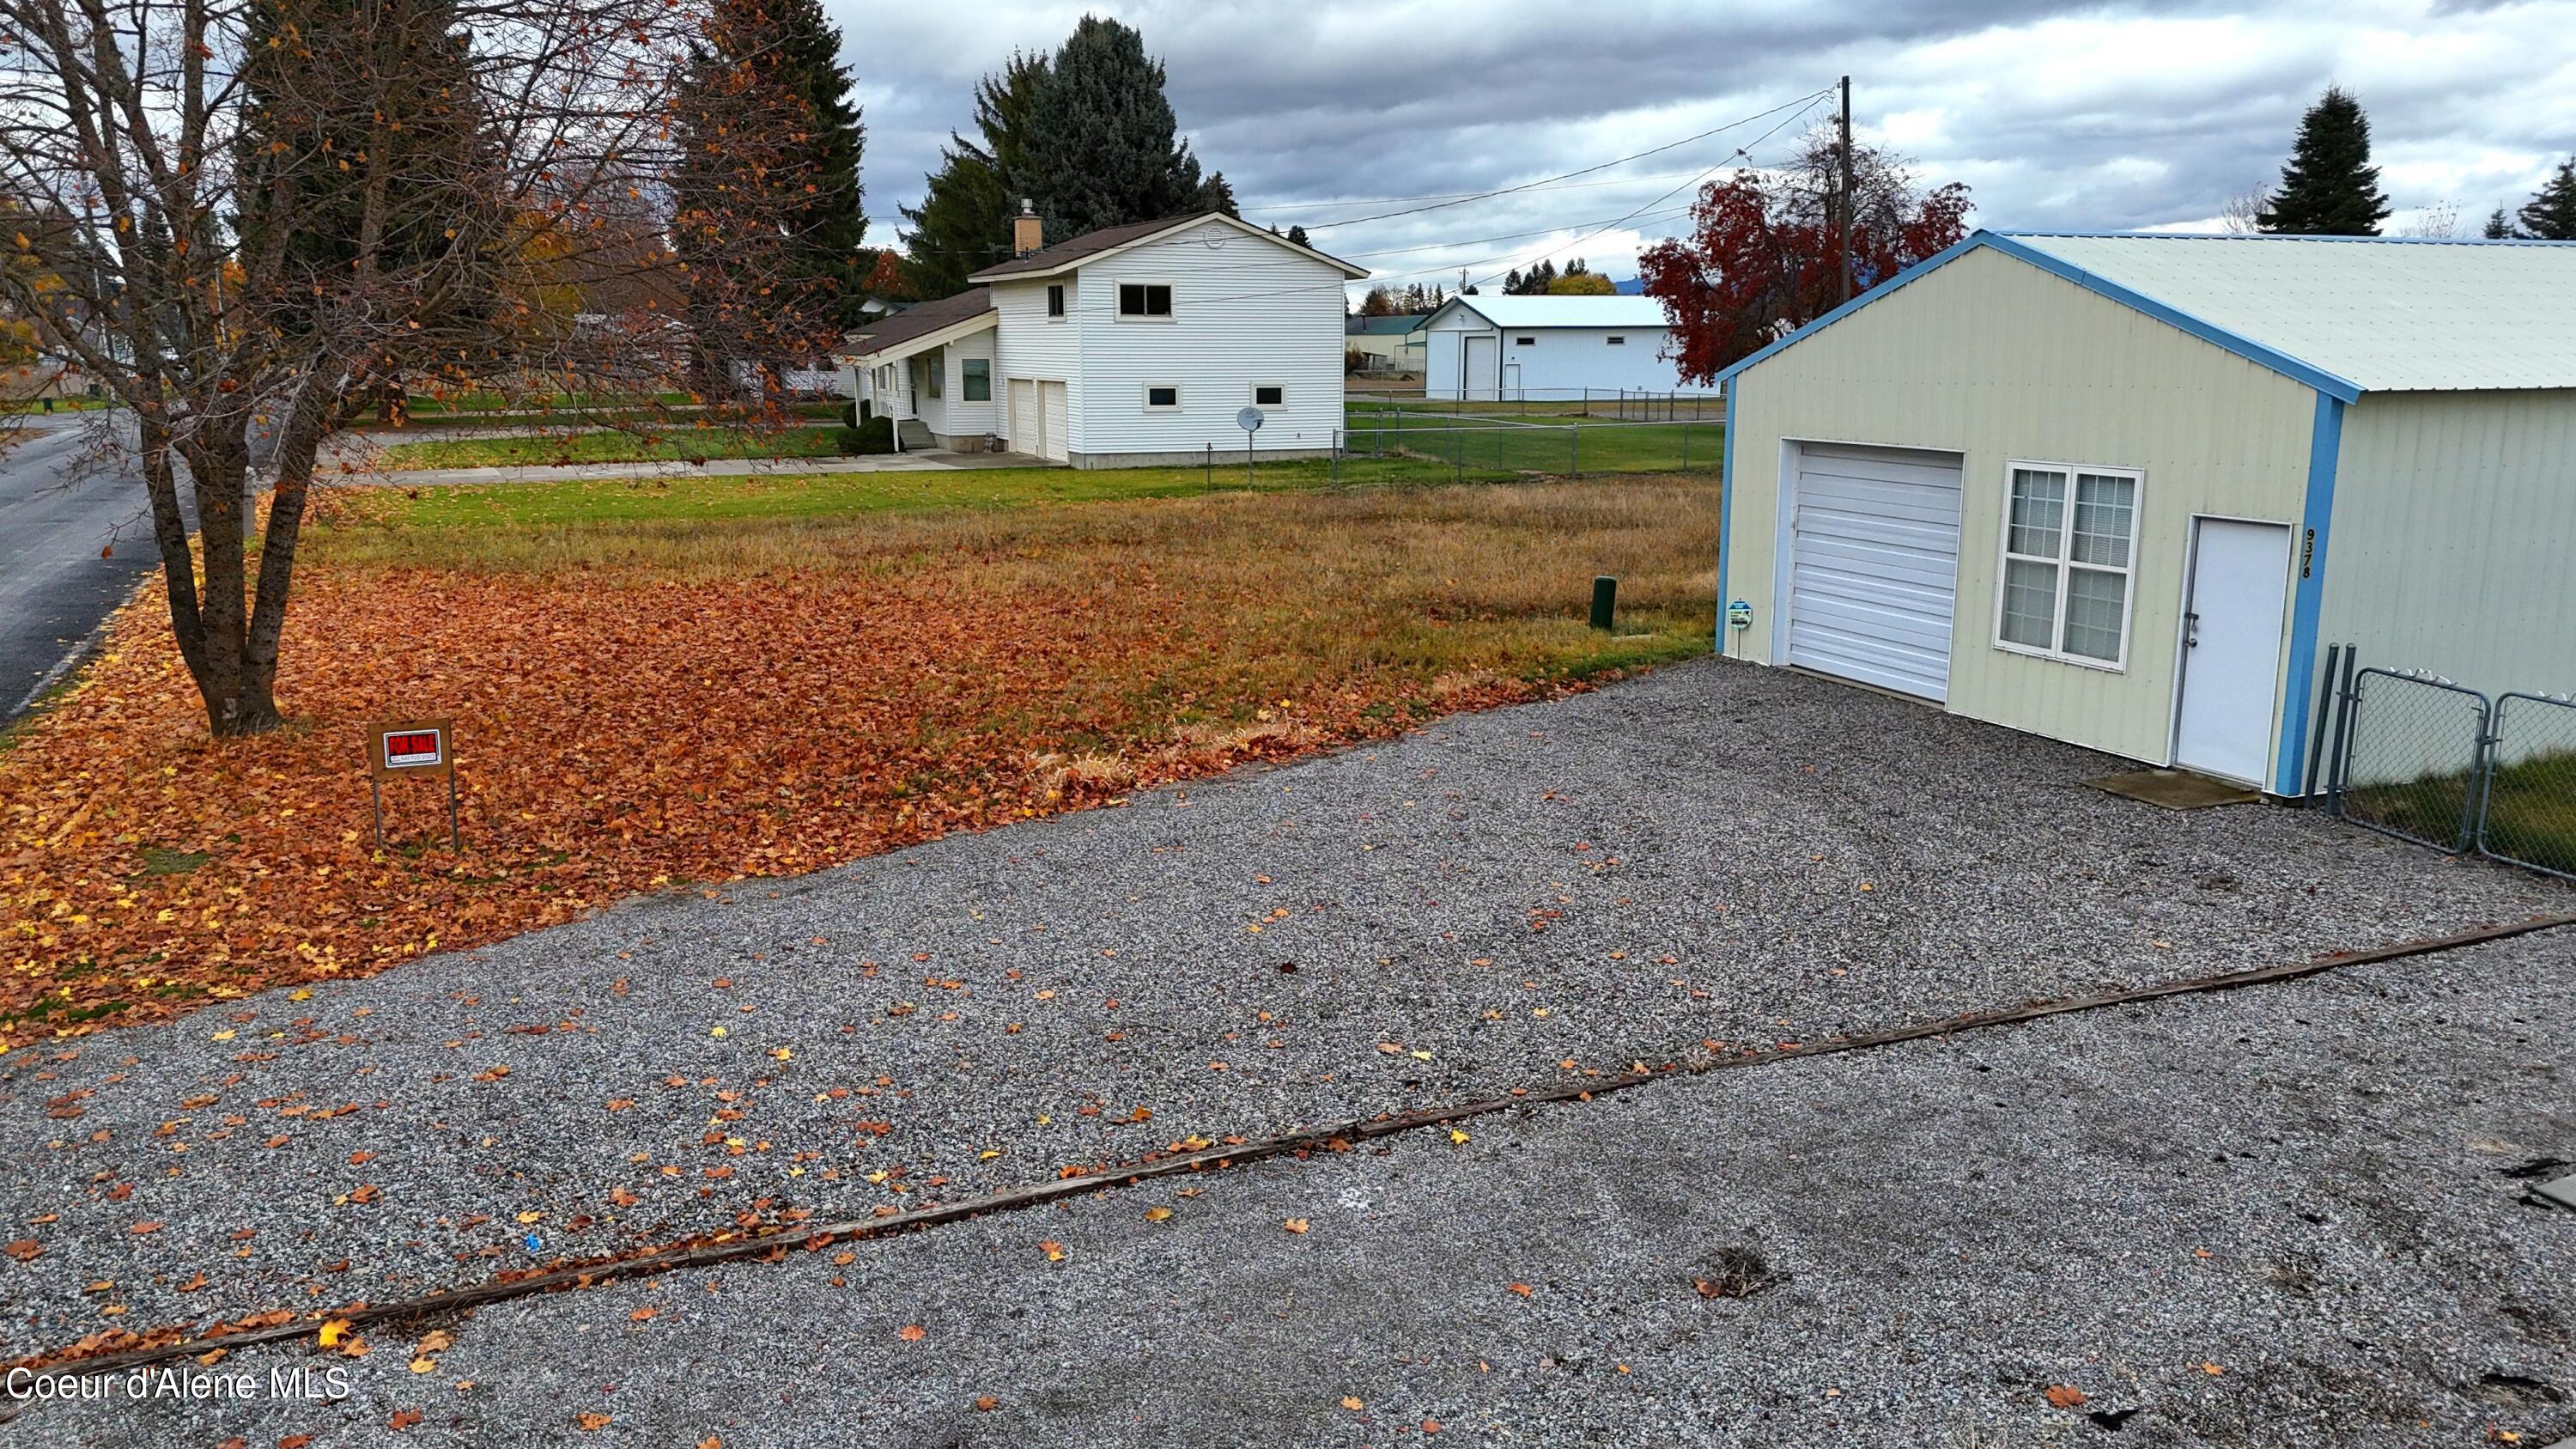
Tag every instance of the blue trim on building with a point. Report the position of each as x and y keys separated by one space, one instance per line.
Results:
x=2205 y=236
x=2308 y=557
x=1725 y=509
x=2245 y=347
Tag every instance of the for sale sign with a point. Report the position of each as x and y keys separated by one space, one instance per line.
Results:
x=421 y=747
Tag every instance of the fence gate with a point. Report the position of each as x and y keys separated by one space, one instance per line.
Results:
x=2412 y=750
x=2527 y=813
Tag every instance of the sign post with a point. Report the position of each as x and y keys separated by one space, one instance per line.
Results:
x=1250 y=420
x=415 y=747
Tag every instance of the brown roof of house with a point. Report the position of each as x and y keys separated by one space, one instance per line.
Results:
x=1047 y=259
x=921 y=320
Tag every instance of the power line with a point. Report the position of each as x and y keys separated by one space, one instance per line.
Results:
x=1806 y=100
x=1507 y=236
x=1463 y=195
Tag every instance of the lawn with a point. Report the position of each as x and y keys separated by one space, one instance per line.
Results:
x=2530 y=809
x=644 y=444
x=1528 y=443
x=666 y=686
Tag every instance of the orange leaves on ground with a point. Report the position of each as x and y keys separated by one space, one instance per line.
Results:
x=592 y=1421
x=614 y=736
x=2067 y=1396
x=911 y=1333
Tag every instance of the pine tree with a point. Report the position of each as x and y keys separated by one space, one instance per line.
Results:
x=829 y=224
x=2551 y=214
x=964 y=221
x=1103 y=145
x=1297 y=237
x=2499 y=226
x=2329 y=188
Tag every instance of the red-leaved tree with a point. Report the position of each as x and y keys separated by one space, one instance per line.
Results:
x=1762 y=257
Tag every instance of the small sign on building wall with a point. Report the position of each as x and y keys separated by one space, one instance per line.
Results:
x=412 y=747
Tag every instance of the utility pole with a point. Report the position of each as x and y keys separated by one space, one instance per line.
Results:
x=1844 y=212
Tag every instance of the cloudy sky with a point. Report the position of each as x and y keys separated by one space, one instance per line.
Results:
x=2056 y=115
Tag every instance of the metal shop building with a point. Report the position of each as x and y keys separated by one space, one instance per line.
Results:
x=2124 y=490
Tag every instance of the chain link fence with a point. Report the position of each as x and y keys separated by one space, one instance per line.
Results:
x=1420 y=448
x=2424 y=759
x=2413 y=744
x=2528 y=813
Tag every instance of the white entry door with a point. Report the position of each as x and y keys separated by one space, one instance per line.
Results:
x=1484 y=355
x=2231 y=655
x=1874 y=566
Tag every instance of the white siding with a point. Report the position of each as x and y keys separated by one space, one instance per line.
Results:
x=1244 y=312
x=1559 y=362
x=1035 y=346
x=2454 y=518
x=950 y=414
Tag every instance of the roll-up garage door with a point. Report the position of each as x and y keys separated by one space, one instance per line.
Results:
x=1874 y=566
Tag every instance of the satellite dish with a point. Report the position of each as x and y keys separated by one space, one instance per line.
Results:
x=1250 y=420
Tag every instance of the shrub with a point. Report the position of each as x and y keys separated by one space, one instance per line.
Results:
x=871 y=435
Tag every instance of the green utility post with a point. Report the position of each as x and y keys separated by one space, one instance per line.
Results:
x=1605 y=599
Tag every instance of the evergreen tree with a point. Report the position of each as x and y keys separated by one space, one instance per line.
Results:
x=309 y=111
x=1512 y=282
x=964 y=221
x=828 y=223
x=2499 y=227
x=2551 y=214
x=2329 y=188
x=1297 y=237
x=1103 y=146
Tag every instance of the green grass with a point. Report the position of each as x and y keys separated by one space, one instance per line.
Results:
x=2530 y=812
x=1489 y=447
x=493 y=402
x=664 y=445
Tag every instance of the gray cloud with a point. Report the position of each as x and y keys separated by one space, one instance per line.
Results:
x=2058 y=115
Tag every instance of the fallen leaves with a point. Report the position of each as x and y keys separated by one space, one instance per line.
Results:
x=1295 y=1225
x=929 y=699
x=1157 y=1214
x=2067 y=1396
x=911 y=1333
x=592 y=1421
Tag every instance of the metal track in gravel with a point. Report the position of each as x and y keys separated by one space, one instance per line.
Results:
x=774 y=1242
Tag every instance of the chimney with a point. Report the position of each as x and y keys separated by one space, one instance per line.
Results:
x=1027 y=232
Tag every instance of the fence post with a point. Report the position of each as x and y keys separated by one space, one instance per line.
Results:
x=1574 y=448
x=1337 y=458
x=1207 y=470
x=1685 y=432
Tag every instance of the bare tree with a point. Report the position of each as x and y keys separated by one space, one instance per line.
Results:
x=2240 y=213
x=2440 y=219
x=263 y=212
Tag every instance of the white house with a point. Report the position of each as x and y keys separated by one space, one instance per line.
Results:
x=1129 y=346
x=1486 y=349
x=2130 y=490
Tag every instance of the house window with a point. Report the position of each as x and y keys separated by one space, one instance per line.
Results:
x=2069 y=553
x=975 y=378
x=1162 y=395
x=1525 y=342
x=935 y=374
x=1055 y=299
x=1269 y=395
x=1144 y=299
x=1617 y=341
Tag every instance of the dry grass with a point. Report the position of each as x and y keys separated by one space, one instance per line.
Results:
x=652 y=702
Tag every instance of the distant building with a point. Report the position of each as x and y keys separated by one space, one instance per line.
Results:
x=1486 y=349
x=1393 y=344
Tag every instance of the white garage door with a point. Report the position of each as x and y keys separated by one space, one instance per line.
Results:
x=1057 y=422
x=1874 y=566
x=1025 y=437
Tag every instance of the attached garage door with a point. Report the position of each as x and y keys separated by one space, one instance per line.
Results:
x=1874 y=566
x=1025 y=437
x=1051 y=396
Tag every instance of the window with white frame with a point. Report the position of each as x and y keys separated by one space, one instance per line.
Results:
x=1162 y=396
x=1616 y=341
x=1525 y=342
x=975 y=379
x=1055 y=300
x=1145 y=299
x=2070 y=552
x=1268 y=395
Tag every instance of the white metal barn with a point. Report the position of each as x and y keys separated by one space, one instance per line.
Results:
x=2124 y=490
x=1488 y=349
x=1128 y=346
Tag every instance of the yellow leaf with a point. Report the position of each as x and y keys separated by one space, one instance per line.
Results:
x=333 y=1331
x=1457 y=1136
x=531 y=1215
x=1157 y=1214
x=1352 y=1404
x=1295 y=1225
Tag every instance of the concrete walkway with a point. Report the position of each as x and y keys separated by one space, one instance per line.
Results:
x=363 y=474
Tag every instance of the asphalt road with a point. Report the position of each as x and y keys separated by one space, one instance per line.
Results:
x=57 y=512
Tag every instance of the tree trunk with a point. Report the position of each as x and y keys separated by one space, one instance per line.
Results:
x=237 y=703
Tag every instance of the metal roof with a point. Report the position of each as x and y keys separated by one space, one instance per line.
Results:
x=1392 y=326
x=2388 y=314
x=1563 y=311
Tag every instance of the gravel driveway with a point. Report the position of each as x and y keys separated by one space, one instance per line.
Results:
x=1711 y=854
